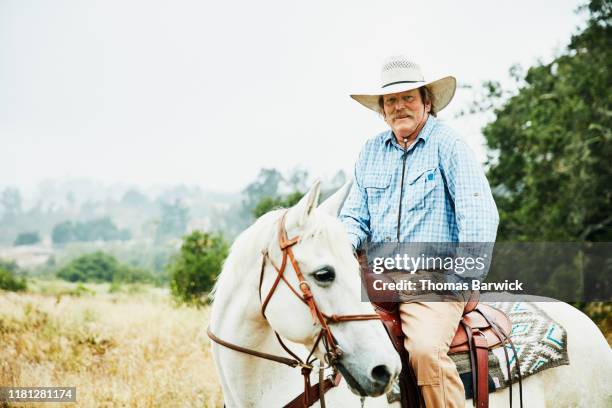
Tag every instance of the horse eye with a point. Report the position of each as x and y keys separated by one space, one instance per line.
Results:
x=325 y=275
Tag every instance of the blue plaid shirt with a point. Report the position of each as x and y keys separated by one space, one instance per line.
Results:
x=446 y=196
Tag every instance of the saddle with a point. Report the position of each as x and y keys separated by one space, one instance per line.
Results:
x=481 y=328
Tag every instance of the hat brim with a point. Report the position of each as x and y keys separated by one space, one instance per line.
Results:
x=443 y=90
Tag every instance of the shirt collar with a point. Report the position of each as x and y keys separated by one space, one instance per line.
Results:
x=423 y=134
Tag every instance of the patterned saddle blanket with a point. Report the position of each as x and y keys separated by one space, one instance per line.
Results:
x=539 y=341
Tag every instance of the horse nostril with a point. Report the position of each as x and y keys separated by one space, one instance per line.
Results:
x=381 y=374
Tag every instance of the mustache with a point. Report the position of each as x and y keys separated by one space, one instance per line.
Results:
x=401 y=115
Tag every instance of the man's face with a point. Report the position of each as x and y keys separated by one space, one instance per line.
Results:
x=404 y=111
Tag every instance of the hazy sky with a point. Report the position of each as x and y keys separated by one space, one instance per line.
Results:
x=206 y=93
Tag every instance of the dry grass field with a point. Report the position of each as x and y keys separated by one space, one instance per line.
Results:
x=134 y=348
x=117 y=349
x=601 y=314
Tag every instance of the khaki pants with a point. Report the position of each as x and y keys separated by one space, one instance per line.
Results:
x=429 y=328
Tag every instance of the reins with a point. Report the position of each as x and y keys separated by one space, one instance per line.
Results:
x=333 y=352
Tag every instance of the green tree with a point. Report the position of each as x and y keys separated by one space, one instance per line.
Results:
x=551 y=144
x=270 y=203
x=27 y=238
x=551 y=170
x=101 y=267
x=194 y=269
x=8 y=278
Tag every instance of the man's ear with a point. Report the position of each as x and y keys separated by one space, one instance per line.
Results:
x=381 y=107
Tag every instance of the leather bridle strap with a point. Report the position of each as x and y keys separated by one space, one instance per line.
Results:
x=307 y=297
x=272 y=357
x=280 y=275
x=316 y=392
x=333 y=352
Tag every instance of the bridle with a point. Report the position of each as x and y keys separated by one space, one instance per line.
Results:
x=332 y=350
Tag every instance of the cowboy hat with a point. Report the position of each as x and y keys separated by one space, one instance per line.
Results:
x=400 y=74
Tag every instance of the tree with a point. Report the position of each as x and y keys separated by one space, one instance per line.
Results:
x=266 y=185
x=551 y=170
x=240 y=215
x=101 y=267
x=95 y=267
x=297 y=179
x=193 y=271
x=551 y=144
x=99 y=229
x=270 y=203
x=11 y=201
x=63 y=232
x=134 y=198
x=10 y=266
x=173 y=221
x=27 y=238
x=8 y=280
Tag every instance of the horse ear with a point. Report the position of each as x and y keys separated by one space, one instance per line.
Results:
x=298 y=214
x=334 y=203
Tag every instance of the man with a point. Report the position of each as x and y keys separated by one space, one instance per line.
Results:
x=419 y=182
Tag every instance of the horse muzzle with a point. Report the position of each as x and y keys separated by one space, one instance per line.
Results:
x=372 y=382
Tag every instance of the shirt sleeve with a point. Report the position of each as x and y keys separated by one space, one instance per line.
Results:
x=475 y=210
x=355 y=214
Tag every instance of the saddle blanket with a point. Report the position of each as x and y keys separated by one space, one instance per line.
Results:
x=539 y=341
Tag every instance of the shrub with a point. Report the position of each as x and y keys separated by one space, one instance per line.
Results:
x=101 y=267
x=193 y=271
x=102 y=229
x=8 y=280
x=27 y=238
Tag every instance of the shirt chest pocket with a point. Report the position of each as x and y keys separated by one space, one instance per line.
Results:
x=378 y=191
x=419 y=187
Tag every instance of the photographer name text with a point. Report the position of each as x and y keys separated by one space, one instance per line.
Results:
x=427 y=285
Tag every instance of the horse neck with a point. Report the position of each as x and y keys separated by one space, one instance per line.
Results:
x=236 y=317
x=253 y=381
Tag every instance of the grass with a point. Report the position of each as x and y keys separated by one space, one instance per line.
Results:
x=120 y=346
x=601 y=314
x=125 y=348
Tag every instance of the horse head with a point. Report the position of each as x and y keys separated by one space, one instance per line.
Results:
x=328 y=271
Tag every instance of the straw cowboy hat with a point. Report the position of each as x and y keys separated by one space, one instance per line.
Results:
x=400 y=74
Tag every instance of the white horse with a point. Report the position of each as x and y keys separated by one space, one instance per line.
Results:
x=324 y=256
x=369 y=362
